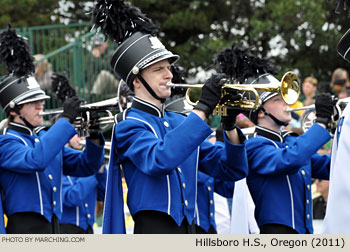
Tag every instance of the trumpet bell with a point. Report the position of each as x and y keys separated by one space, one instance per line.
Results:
x=288 y=87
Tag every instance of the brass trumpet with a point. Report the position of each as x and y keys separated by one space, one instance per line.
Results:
x=288 y=87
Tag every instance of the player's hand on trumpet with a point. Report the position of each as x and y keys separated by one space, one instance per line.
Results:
x=94 y=127
x=211 y=93
x=229 y=121
x=324 y=105
x=71 y=108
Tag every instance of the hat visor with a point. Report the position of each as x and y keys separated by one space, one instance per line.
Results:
x=39 y=97
x=172 y=58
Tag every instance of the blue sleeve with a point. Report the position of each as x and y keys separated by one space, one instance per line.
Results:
x=224 y=188
x=265 y=157
x=320 y=166
x=76 y=190
x=154 y=156
x=224 y=161
x=17 y=157
x=101 y=186
x=85 y=163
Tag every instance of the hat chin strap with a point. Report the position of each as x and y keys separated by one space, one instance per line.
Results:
x=149 y=89
x=23 y=119
x=274 y=118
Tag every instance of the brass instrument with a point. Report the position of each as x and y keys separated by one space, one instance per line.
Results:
x=309 y=116
x=110 y=104
x=288 y=87
x=83 y=122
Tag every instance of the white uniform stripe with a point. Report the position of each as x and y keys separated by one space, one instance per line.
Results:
x=291 y=200
x=40 y=196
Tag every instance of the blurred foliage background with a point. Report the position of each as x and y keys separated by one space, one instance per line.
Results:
x=299 y=35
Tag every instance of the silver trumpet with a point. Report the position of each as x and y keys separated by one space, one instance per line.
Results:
x=309 y=116
x=83 y=122
x=110 y=104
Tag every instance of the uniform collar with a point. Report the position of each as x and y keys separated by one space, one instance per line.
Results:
x=278 y=137
x=20 y=128
x=147 y=107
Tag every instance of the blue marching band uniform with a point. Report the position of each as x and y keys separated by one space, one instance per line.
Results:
x=159 y=174
x=32 y=160
x=280 y=170
x=168 y=164
x=205 y=209
x=79 y=201
x=31 y=179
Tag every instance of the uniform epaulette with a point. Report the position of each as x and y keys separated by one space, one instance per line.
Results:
x=40 y=128
x=249 y=132
x=120 y=116
x=177 y=112
x=288 y=133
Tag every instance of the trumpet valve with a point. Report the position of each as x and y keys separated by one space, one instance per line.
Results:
x=220 y=110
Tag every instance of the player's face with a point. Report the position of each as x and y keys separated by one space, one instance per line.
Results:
x=278 y=108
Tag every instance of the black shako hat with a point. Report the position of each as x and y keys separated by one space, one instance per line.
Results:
x=135 y=34
x=19 y=86
x=138 y=52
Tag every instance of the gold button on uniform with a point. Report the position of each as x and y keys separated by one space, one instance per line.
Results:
x=54 y=203
x=308 y=187
x=86 y=205
x=89 y=216
x=50 y=177
x=186 y=203
x=308 y=216
x=211 y=202
x=211 y=215
x=307 y=202
x=303 y=172
x=37 y=140
x=54 y=189
x=179 y=169
x=166 y=124
x=209 y=188
x=184 y=185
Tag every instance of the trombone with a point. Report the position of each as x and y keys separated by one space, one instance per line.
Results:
x=288 y=87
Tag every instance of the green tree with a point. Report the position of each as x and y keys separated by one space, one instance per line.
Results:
x=24 y=13
x=298 y=35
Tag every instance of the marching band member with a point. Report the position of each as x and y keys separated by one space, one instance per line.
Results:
x=281 y=164
x=32 y=160
x=160 y=152
x=205 y=210
x=79 y=196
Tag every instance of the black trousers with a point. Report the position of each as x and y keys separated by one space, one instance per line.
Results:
x=31 y=223
x=200 y=230
x=74 y=229
x=273 y=228
x=155 y=222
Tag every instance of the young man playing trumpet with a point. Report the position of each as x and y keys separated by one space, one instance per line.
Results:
x=32 y=160
x=281 y=164
x=161 y=152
